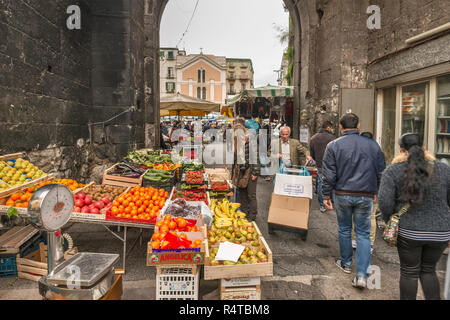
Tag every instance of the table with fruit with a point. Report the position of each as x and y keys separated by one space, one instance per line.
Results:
x=230 y=225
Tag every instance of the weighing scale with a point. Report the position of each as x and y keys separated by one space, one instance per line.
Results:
x=84 y=276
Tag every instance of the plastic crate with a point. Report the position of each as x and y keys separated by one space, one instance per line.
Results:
x=177 y=284
x=32 y=244
x=8 y=267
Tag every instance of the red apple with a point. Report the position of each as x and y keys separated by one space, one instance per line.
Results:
x=95 y=211
x=85 y=209
x=81 y=195
x=88 y=199
x=77 y=209
x=105 y=200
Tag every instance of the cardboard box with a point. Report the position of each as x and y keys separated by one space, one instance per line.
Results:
x=242 y=293
x=293 y=186
x=290 y=212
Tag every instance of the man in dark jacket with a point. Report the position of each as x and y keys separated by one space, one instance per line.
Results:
x=352 y=168
x=317 y=146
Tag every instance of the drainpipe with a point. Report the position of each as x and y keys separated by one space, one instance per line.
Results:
x=429 y=33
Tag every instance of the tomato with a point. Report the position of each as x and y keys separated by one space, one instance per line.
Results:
x=155 y=236
x=172 y=225
x=127 y=210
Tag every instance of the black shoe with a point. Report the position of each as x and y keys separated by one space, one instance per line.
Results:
x=341 y=266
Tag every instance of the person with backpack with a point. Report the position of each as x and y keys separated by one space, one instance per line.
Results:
x=418 y=185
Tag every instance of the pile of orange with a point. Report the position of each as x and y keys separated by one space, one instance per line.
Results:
x=19 y=199
x=72 y=184
x=166 y=166
x=139 y=203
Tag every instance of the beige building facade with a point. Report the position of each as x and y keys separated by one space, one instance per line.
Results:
x=240 y=75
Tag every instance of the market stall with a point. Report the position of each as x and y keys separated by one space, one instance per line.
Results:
x=267 y=102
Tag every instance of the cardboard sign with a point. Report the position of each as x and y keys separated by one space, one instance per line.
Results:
x=240 y=282
x=293 y=186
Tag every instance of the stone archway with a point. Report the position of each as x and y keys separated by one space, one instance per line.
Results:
x=300 y=12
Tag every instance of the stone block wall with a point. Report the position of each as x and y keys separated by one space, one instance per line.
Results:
x=45 y=82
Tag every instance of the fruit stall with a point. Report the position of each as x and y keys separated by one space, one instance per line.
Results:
x=189 y=207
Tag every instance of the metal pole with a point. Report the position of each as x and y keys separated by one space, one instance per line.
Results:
x=124 y=246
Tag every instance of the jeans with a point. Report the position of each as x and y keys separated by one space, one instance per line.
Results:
x=358 y=209
x=373 y=228
x=319 y=184
x=418 y=260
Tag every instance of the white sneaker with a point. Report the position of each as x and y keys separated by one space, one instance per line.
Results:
x=354 y=244
x=360 y=283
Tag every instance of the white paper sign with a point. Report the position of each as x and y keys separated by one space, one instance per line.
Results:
x=229 y=251
x=293 y=186
x=304 y=135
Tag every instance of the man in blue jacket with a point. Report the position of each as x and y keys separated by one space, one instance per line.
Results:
x=352 y=168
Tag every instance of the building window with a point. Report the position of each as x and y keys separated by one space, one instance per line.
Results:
x=243 y=87
x=161 y=54
x=199 y=92
x=204 y=93
x=170 y=87
x=170 y=72
x=442 y=142
x=231 y=88
x=388 y=124
x=414 y=110
x=203 y=76
x=170 y=55
x=199 y=76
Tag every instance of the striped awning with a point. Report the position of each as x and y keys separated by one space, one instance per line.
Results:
x=263 y=92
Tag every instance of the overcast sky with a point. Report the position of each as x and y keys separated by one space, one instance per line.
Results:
x=230 y=28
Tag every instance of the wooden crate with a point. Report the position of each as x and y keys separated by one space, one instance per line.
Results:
x=34 y=265
x=262 y=269
x=240 y=293
x=13 y=239
x=120 y=181
x=6 y=193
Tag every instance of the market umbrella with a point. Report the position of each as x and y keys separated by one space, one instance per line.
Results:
x=182 y=105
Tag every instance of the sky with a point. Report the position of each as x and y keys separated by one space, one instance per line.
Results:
x=230 y=28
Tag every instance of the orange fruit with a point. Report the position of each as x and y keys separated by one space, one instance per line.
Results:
x=156 y=244
x=167 y=217
x=172 y=225
x=164 y=229
x=197 y=243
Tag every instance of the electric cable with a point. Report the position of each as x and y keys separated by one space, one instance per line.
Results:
x=187 y=28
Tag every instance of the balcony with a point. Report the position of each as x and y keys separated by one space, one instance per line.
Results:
x=231 y=77
x=170 y=76
x=231 y=93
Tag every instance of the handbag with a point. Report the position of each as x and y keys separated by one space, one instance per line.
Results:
x=390 y=233
x=241 y=178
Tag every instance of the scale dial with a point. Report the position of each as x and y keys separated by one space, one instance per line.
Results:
x=50 y=207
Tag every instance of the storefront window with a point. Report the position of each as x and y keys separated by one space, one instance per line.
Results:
x=443 y=119
x=388 y=124
x=415 y=109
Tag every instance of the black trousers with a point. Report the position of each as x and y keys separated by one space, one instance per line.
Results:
x=418 y=260
x=248 y=197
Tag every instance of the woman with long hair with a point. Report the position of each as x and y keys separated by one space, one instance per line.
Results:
x=416 y=179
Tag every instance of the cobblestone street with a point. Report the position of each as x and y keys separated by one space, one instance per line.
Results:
x=302 y=269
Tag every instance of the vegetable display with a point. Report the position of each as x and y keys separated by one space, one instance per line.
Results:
x=180 y=208
x=155 y=175
x=194 y=177
x=128 y=170
x=185 y=186
x=191 y=195
x=193 y=166
x=219 y=186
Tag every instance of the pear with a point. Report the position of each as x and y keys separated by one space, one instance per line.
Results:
x=251 y=253
x=229 y=263
x=255 y=244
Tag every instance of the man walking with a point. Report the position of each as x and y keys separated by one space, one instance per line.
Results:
x=317 y=146
x=352 y=168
